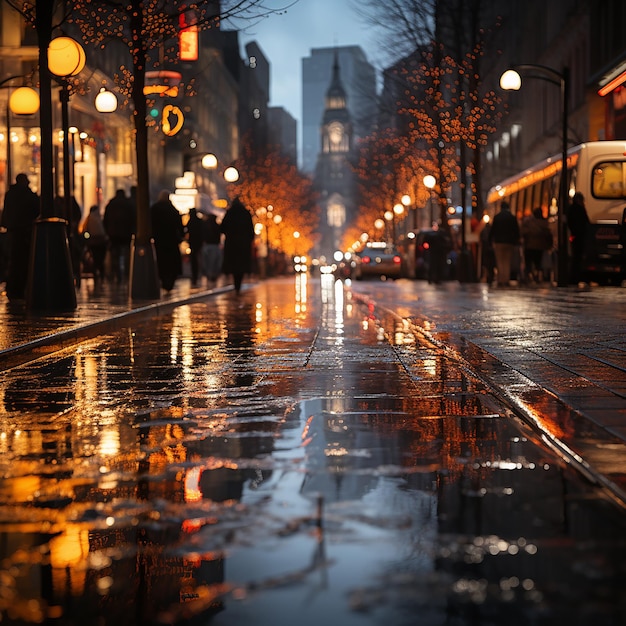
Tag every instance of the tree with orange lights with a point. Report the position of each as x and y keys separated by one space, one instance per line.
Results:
x=268 y=178
x=440 y=95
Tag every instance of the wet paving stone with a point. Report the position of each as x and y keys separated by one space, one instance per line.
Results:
x=264 y=459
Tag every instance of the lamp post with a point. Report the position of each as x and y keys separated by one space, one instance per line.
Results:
x=511 y=80
x=105 y=102
x=22 y=101
x=398 y=211
x=50 y=284
x=388 y=215
x=406 y=201
x=429 y=183
x=66 y=58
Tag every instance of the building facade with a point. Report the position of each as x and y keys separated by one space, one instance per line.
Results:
x=359 y=81
x=334 y=177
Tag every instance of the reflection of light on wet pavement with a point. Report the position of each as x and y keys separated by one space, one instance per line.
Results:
x=247 y=468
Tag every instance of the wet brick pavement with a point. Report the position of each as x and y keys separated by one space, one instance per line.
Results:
x=190 y=448
x=550 y=352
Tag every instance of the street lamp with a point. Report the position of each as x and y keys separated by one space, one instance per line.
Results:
x=398 y=210
x=231 y=174
x=406 y=201
x=429 y=183
x=50 y=284
x=511 y=80
x=22 y=101
x=388 y=215
x=105 y=102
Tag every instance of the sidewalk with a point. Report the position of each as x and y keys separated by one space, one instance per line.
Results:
x=24 y=334
x=556 y=356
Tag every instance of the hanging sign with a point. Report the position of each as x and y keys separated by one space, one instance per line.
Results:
x=172 y=120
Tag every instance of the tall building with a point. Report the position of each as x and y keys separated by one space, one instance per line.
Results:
x=359 y=81
x=334 y=177
x=283 y=132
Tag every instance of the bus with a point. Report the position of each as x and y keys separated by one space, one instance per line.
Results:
x=598 y=170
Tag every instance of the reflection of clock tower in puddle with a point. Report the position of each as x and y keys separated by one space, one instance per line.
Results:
x=333 y=176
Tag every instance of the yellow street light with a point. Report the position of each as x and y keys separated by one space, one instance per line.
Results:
x=24 y=101
x=66 y=57
x=511 y=80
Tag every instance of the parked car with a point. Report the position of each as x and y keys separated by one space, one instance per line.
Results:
x=377 y=259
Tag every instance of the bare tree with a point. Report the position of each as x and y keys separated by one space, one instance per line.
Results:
x=439 y=46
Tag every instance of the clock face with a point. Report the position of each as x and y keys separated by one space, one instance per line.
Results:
x=335 y=132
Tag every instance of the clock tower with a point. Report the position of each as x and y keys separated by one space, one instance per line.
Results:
x=334 y=178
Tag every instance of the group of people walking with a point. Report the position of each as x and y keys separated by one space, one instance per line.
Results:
x=208 y=256
x=504 y=239
x=100 y=244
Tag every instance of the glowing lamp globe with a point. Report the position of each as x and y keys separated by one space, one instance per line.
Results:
x=511 y=80
x=430 y=181
x=24 y=101
x=66 y=57
x=106 y=101
x=209 y=161
x=231 y=175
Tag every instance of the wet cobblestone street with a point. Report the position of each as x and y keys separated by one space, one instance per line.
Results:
x=288 y=455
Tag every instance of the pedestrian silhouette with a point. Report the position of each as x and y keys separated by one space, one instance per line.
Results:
x=238 y=230
x=168 y=232
x=537 y=238
x=211 y=247
x=21 y=209
x=194 y=238
x=96 y=241
x=73 y=215
x=504 y=237
x=578 y=224
x=119 y=222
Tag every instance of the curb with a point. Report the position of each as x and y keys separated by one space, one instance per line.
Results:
x=33 y=350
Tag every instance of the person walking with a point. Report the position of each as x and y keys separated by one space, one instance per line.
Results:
x=21 y=209
x=168 y=232
x=194 y=238
x=72 y=213
x=211 y=247
x=119 y=222
x=238 y=229
x=96 y=241
x=537 y=239
x=504 y=237
x=578 y=224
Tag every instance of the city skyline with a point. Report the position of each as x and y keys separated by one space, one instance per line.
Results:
x=287 y=38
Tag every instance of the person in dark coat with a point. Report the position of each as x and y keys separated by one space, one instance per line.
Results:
x=578 y=224
x=238 y=229
x=211 y=247
x=194 y=234
x=119 y=222
x=73 y=215
x=504 y=237
x=96 y=241
x=168 y=232
x=537 y=238
x=21 y=209
x=439 y=247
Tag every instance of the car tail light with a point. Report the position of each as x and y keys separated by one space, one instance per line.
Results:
x=397 y=259
x=366 y=259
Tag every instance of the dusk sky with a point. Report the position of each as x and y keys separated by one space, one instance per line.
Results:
x=285 y=39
